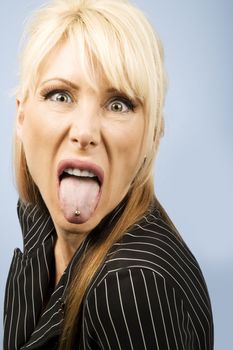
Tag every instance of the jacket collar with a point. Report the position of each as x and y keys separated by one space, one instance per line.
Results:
x=36 y=224
x=38 y=236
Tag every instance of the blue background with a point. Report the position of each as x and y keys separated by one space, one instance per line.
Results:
x=194 y=171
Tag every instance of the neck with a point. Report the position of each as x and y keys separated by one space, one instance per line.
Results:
x=64 y=249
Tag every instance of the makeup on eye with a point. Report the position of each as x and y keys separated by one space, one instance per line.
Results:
x=117 y=102
x=120 y=104
x=59 y=95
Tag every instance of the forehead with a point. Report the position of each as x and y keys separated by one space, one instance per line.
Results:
x=69 y=62
x=72 y=60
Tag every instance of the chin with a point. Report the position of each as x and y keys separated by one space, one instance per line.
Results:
x=62 y=225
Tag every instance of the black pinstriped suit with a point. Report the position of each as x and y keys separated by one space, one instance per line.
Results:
x=149 y=293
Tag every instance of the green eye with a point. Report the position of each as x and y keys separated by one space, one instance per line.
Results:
x=120 y=105
x=61 y=97
x=117 y=107
x=58 y=96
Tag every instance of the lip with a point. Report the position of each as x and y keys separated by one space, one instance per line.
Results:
x=82 y=165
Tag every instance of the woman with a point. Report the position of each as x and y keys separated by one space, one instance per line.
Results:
x=103 y=266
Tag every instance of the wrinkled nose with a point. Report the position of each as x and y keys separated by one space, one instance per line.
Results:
x=85 y=132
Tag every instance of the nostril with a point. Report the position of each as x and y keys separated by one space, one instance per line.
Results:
x=84 y=134
x=83 y=140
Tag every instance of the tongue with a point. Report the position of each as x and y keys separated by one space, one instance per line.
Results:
x=80 y=195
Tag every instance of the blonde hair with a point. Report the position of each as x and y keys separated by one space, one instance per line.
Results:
x=119 y=38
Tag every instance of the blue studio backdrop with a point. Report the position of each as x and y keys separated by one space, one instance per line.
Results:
x=194 y=169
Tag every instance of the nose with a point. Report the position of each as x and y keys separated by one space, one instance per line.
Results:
x=85 y=130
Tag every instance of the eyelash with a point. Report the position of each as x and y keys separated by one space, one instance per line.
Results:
x=47 y=93
x=125 y=100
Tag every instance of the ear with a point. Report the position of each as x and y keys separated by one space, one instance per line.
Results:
x=19 y=117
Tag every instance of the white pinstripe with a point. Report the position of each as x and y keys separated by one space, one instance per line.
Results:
x=183 y=325
x=189 y=334
x=88 y=332
x=101 y=325
x=175 y=250
x=177 y=317
x=109 y=313
x=43 y=335
x=93 y=325
x=161 y=310
x=136 y=307
x=170 y=314
x=172 y=277
x=183 y=288
x=17 y=323
x=13 y=301
x=158 y=256
x=32 y=230
x=32 y=290
x=46 y=263
x=26 y=304
x=46 y=324
x=149 y=304
x=122 y=310
x=39 y=276
x=197 y=337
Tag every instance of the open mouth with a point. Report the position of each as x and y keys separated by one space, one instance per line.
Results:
x=73 y=167
x=85 y=174
x=79 y=190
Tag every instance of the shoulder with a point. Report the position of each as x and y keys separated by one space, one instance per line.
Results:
x=138 y=308
x=150 y=256
x=153 y=244
x=149 y=287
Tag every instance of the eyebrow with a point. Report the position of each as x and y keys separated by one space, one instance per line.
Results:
x=114 y=91
x=64 y=81
x=75 y=86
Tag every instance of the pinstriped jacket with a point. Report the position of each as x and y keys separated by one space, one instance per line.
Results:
x=149 y=293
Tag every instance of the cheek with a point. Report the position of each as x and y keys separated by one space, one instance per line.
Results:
x=38 y=129
x=127 y=143
x=36 y=139
x=131 y=142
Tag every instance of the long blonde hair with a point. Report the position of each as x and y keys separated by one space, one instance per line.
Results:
x=119 y=38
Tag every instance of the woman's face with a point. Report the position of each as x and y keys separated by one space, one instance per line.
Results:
x=83 y=147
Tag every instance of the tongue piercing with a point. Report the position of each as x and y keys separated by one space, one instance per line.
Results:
x=77 y=213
